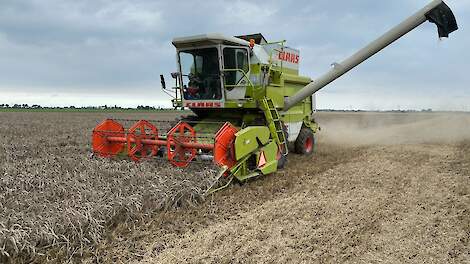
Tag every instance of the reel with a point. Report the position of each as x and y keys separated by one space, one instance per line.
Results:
x=182 y=143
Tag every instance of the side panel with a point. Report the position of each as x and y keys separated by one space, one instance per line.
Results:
x=293 y=129
x=248 y=139
x=282 y=85
x=283 y=57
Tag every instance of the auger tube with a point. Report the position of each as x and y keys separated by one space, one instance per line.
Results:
x=436 y=12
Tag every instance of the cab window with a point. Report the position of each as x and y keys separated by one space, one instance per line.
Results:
x=201 y=74
x=235 y=61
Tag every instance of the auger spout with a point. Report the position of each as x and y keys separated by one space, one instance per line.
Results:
x=436 y=12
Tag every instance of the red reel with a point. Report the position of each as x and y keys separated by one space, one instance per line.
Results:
x=100 y=143
x=224 y=148
x=177 y=138
x=136 y=148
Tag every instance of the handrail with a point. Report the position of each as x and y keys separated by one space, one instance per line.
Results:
x=245 y=76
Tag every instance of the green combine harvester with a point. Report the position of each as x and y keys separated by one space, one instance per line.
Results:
x=251 y=107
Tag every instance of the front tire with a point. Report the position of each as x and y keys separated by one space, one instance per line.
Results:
x=305 y=142
x=281 y=162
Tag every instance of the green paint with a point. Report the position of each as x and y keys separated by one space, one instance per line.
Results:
x=249 y=139
x=270 y=153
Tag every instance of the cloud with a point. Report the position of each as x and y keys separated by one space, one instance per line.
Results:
x=119 y=47
x=245 y=12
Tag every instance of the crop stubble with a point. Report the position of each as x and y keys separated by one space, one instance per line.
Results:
x=390 y=188
x=382 y=187
x=57 y=201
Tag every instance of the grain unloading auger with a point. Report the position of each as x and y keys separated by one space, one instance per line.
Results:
x=250 y=104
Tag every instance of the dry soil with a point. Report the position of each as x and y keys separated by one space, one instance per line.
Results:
x=382 y=187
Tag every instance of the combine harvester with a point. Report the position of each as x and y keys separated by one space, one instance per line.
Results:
x=250 y=104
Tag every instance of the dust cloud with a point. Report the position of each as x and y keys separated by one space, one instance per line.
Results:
x=356 y=129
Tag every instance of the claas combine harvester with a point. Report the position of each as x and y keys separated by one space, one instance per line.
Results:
x=251 y=106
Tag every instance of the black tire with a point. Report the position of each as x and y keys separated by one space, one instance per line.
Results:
x=281 y=162
x=305 y=142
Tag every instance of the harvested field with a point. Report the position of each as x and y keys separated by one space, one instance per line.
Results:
x=382 y=187
x=58 y=201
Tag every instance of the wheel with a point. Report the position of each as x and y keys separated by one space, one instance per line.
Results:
x=281 y=162
x=305 y=142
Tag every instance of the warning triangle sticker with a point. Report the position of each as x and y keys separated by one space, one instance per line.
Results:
x=262 y=160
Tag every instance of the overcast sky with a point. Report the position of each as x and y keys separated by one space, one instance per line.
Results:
x=96 y=52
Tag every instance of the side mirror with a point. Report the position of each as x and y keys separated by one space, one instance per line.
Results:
x=175 y=75
x=162 y=80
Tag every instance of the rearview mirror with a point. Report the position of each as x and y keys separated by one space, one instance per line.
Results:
x=175 y=75
x=162 y=80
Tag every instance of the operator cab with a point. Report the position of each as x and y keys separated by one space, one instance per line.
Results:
x=213 y=68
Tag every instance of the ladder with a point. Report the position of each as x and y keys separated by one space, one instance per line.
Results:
x=273 y=121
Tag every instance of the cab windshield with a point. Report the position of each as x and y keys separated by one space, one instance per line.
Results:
x=200 y=71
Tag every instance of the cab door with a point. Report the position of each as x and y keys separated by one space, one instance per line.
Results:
x=236 y=69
